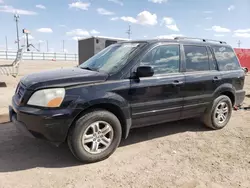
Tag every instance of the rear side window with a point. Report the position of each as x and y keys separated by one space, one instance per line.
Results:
x=226 y=58
x=196 y=58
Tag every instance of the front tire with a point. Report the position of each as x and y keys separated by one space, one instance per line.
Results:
x=218 y=114
x=95 y=136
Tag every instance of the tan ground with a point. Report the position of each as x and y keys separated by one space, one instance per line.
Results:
x=183 y=154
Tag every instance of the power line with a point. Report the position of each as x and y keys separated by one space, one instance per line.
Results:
x=16 y=17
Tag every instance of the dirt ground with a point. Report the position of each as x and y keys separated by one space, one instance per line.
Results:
x=182 y=154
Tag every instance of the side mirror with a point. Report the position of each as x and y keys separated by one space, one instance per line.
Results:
x=144 y=71
x=245 y=69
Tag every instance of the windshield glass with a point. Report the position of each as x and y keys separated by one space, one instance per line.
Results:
x=112 y=58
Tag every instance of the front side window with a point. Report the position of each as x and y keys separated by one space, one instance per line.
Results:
x=196 y=58
x=112 y=58
x=226 y=58
x=163 y=59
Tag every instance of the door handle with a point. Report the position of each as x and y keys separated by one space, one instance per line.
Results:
x=216 y=78
x=177 y=82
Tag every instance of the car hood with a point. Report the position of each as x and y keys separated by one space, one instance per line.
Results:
x=62 y=78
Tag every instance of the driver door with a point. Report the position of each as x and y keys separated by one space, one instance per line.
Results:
x=158 y=99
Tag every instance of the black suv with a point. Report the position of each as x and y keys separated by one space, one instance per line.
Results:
x=128 y=85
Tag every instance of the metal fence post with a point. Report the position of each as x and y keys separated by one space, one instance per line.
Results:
x=43 y=56
x=55 y=55
x=32 y=55
x=75 y=57
x=6 y=54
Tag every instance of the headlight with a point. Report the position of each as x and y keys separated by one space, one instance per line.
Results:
x=47 y=97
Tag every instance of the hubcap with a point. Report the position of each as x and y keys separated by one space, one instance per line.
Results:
x=221 y=112
x=97 y=137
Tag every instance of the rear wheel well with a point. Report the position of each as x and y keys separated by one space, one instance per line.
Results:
x=105 y=106
x=230 y=95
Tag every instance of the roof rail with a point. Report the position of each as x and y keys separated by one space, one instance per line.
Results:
x=204 y=40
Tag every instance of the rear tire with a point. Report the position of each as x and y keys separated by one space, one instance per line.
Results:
x=95 y=136
x=218 y=114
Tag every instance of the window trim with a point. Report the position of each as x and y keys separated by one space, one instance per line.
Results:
x=159 y=45
x=185 y=60
x=214 y=59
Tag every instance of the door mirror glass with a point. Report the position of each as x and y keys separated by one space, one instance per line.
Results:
x=144 y=71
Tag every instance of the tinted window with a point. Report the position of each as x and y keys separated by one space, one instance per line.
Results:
x=109 y=42
x=196 y=58
x=213 y=64
x=163 y=59
x=226 y=58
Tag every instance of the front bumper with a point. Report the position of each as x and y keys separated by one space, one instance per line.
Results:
x=48 y=124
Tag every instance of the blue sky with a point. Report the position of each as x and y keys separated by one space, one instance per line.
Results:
x=68 y=20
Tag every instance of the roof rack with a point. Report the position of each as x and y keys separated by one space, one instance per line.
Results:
x=204 y=40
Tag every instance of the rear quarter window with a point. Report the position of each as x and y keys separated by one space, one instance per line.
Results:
x=226 y=58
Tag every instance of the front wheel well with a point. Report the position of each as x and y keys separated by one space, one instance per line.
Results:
x=105 y=106
x=230 y=95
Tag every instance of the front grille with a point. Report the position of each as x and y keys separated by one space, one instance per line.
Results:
x=20 y=91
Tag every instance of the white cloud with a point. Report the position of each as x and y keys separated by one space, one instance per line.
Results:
x=173 y=27
x=40 y=41
x=208 y=18
x=146 y=18
x=158 y=1
x=94 y=32
x=117 y=2
x=103 y=11
x=114 y=18
x=220 y=29
x=1 y=1
x=242 y=30
x=243 y=35
x=143 y=18
x=231 y=7
x=219 y=35
x=172 y=36
x=76 y=38
x=170 y=23
x=40 y=6
x=208 y=12
x=10 y=9
x=168 y=20
x=128 y=19
x=79 y=5
x=78 y=32
x=45 y=30
x=62 y=25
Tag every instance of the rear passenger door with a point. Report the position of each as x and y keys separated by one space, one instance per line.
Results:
x=201 y=79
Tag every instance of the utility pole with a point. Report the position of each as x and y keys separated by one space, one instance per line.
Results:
x=47 y=45
x=129 y=31
x=239 y=43
x=6 y=43
x=63 y=45
x=16 y=17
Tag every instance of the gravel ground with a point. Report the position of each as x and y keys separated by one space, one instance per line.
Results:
x=182 y=154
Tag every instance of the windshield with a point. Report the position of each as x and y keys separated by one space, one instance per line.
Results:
x=112 y=58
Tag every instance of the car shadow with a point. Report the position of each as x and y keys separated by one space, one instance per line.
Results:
x=21 y=153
